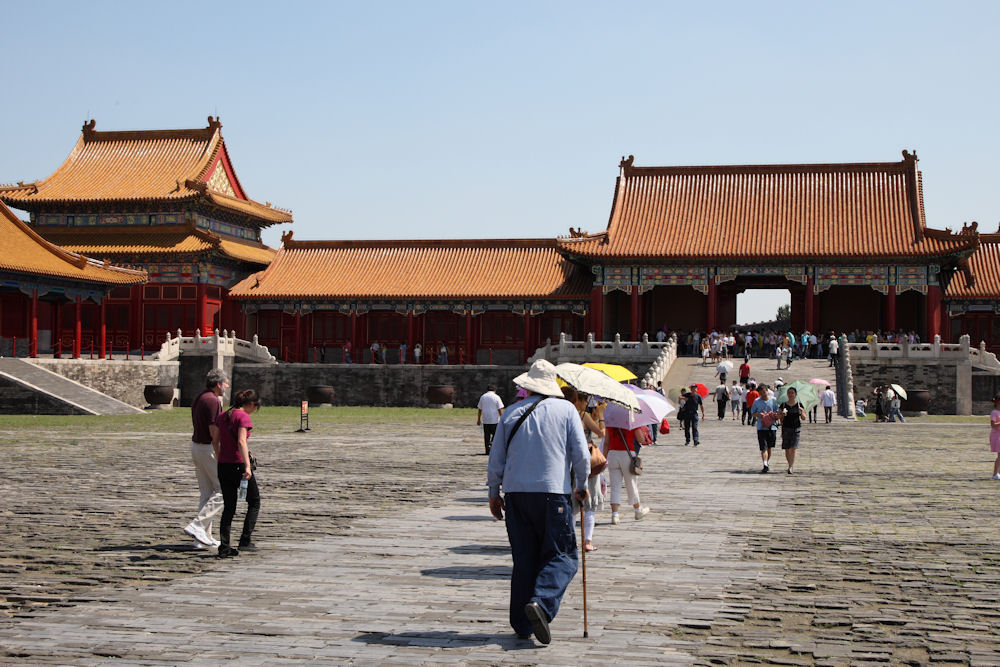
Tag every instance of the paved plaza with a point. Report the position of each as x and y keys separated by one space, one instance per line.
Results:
x=378 y=548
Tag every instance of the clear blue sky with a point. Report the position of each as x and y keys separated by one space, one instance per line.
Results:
x=467 y=119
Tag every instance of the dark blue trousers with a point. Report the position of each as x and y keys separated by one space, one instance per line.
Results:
x=543 y=544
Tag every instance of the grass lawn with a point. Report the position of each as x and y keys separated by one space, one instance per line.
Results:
x=273 y=419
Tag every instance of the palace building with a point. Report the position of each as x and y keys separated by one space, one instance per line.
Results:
x=850 y=242
x=164 y=201
x=39 y=282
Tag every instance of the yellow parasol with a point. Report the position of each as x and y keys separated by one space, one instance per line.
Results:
x=614 y=371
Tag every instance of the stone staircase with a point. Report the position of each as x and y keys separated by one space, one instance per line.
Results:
x=24 y=386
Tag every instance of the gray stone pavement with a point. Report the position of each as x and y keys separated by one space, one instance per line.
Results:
x=880 y=549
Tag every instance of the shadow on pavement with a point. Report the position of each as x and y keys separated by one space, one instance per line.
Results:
x=481 y=549
x=448 y=639
x=162 y=548
x=474 y=517
x=469 y=572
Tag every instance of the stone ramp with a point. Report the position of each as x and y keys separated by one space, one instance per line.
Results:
x=56 y=389
x=761 y=369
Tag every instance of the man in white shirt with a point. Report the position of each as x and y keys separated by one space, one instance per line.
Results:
x=829 y=399
x=490 y=408
x=834 y=349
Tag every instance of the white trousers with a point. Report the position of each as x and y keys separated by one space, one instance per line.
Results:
x=618 y=468
x=210 y=502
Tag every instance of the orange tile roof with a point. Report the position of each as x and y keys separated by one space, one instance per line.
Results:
x=24 y=251
x=495 y=268
x=979 y=276
x=773 y=212
x=143 y=166
x=121 y=240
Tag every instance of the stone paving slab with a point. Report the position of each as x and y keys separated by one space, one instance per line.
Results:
x=880 y=550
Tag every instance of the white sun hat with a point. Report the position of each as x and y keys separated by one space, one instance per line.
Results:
x=540 y=379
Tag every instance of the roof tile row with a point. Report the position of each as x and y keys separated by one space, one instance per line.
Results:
x=417 y=269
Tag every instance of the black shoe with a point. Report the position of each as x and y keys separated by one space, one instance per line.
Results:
x=789 y=471
x=687 y=442
x=695 y=443
x=524 y=636
x=227 y=552
x=247 y=546
x=764 y=470
x=539 y=622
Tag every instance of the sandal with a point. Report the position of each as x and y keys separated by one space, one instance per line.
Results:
x=589 y=547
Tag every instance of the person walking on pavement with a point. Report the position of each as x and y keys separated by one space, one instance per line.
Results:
x=538 y=459
x=790 y=414
x=833 y=349
x=829 y=400
x=745 y=371
x=490 y=408
x=204 y=411
x=593 y=425
x=764 y=412
x=688 y=414
x=735 y=398
x=617 y=445
x=232 y=451
x=722 y=399
x=995 y=435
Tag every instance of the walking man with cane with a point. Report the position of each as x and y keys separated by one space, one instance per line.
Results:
x=538 y=458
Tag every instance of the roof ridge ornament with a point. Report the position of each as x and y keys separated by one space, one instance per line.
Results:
x=970 y=229
x=286 y=237
x=88 y=126
x=910 y=157
x=626 y=163
x=213 y=123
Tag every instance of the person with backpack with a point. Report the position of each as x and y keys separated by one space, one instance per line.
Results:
x=232 y=451
x=538 y=466
x=764 y=411
x=688 y=414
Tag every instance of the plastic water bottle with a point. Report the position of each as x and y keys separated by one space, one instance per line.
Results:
x=243 y=489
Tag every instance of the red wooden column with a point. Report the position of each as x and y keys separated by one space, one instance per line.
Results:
x=469 y=354
x=77 y=333
x=33 y=325
x=634 y=314
x=409 y=334
x=597 y=312
x=713 y=304
x=202 y=309
x=810 y=305
x=135 y=334
x=890 y=309
x=527 y=335
x=102 y=327
x=933 y=312
x=297 y=352
x=57 y=329
x=353 y=335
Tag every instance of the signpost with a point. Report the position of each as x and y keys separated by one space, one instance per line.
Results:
x=304 y=418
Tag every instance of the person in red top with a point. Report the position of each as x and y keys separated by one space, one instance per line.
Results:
x=619 y=469
x=232 y=451
x=751 y=396
x=204 y=411
x=744 y=372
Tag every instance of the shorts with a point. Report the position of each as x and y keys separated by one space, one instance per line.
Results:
x=790 y=438
x=765 y=438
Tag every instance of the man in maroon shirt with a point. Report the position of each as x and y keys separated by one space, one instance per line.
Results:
x=204 y=411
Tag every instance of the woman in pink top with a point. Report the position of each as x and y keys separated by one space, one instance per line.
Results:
x=232 y=452
x=995 y=435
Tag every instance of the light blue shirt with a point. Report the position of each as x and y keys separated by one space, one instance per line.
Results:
x=546 y=454
x=760 y=405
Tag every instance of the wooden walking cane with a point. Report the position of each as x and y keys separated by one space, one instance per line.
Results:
x=583 y=551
